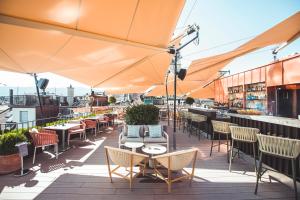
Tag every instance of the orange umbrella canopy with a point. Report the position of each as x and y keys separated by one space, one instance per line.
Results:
x=183 y=87
x=286 y=31
x=90 y=41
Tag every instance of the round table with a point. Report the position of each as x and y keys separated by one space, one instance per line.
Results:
x=153 y=149
x=133 y=145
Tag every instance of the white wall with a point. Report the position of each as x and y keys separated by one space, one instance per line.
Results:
x=31 y=115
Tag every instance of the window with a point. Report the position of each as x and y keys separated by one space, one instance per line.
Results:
x=23 y=116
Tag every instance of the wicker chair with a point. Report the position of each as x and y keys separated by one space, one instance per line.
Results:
x=278 y=147
x=42 y=139
x=91 y=124
x=220 y=128
x=80 y=131
x=176 y=161
x=124 y=158
x=246 y=135
x=196 y=121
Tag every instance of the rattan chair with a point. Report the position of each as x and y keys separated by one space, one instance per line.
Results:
x=220 y=128
x=176 y=161
x=77 y=130
x=42 y=139
x=278 y=147
x=196 y=122
x=245 y=135
x=127 y=159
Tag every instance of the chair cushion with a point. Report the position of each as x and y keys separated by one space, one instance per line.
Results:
x=155 y=140
x=133 y=131
x=125 y=130
x=127 y=139
x=34 y=130
x=155 y=131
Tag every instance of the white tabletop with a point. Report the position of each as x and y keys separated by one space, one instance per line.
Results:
x=133 y=144
x=96 y=117
x=61 y=127
x=154 y=149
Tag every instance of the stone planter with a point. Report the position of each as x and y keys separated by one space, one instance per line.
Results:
x=10 y=163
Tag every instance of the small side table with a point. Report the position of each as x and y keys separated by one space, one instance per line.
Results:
x=152 y=150
x=133 y=145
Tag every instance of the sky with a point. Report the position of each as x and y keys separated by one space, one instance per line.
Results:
x=221 y=22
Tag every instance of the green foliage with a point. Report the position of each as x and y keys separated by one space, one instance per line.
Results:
x=112 y=100
x=9 y=140
x=189 y=100
x=142 y=115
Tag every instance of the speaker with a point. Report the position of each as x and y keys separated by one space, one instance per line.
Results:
x=42 y=83
x=181 y=74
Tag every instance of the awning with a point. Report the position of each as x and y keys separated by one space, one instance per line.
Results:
x=126 y=90
x=286 y=31
x=89 y=41
x=203 y=93
x=183 y=87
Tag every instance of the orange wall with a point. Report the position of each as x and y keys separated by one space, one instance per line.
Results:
x=283 y=72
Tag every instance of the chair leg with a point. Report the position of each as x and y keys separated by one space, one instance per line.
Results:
x=69 y=139
x=254 y=157
x=212 y=143
x=56 y=150
x=95 y=132
x=199 y=132
x=219 y=142
x=259 y=172
x=231 y=155
x=34 y=155
x=227 y=148
x=294 y=178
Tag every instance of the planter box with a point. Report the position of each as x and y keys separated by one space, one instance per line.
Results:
x=10 y=163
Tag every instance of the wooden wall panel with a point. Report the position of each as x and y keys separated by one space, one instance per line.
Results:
x=248 y=77
x=255 y=75
x=291 y=71
x=274 y=74
x=241 y=78
x=235 y=80
x=229 y=81
x=263 y=74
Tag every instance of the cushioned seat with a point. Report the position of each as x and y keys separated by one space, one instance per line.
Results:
x=155 y=140
x=129 y=139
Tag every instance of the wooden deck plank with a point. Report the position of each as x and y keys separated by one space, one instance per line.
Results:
x=81 y=173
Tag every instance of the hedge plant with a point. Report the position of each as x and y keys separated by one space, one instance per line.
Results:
x=142 y=115
x=9 y=140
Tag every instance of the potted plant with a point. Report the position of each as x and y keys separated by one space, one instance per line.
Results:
x=112 y=100
x=142 y=115
x=189 y=100
x=9 y=156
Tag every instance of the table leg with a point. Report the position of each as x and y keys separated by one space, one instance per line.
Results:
x=133 y=149
x=63 y=148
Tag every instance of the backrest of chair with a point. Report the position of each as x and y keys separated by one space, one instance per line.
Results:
x=246 y=134
x=199 y=118
x=82 y=125
x=279 y=146
x=90 y=123
x=124 y=157
x=221 y=127
x=178 y=160
x=40 y=138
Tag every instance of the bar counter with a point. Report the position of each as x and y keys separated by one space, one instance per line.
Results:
x=277 y=126
x=211 y=114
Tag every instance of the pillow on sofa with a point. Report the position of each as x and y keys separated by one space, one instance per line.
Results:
x=155 y=131
x=133 y=131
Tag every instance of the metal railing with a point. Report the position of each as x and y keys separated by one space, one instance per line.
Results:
x=9 y=126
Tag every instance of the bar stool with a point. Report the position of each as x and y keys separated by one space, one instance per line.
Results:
x=278 y=147
x=196 y=121
x=220 y=128
x=246 y=135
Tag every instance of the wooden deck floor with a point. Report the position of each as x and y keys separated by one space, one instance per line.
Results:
x=81 y=173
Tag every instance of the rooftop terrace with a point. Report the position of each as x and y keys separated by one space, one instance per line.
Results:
x=81 y=173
